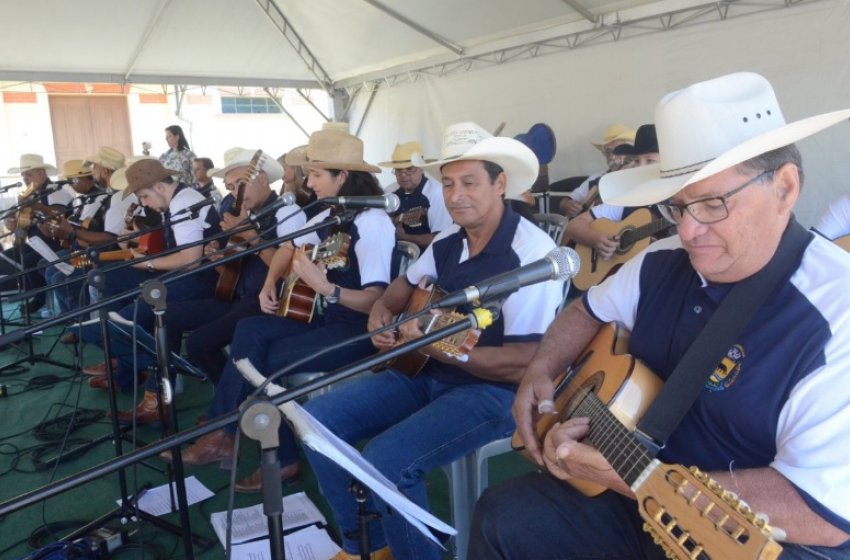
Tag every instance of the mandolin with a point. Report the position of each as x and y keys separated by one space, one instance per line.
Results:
x=229 y=272
x=297 y=299
x=688 y=514
x=457 y=345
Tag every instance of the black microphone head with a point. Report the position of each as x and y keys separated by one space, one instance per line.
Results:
x=566 y=261
x=393 y=202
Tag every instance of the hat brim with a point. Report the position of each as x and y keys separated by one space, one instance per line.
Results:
x=401 y=164
x=515 y=158
x=645 y=185
x=130 y=189
x=630 y=138
x=348 y=165
x=271 y=167
x=49 y=169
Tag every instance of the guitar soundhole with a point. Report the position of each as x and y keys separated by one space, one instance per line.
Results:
x=591 y=385
x=625 y=244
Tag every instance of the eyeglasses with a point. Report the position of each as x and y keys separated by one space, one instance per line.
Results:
x=706 y=210
x=406 y=171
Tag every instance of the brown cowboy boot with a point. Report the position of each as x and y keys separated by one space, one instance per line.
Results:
x=253 y=483
x=212 y=447
x=147 y=411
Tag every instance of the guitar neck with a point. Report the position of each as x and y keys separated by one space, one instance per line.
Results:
x=616 y=443
x=634 y=235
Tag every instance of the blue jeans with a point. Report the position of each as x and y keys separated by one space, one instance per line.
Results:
x=72 y=295
x=271 y=343
x=539 y=516
x=416 y=425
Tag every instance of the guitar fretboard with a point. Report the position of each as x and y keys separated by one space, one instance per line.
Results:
x=616 y=443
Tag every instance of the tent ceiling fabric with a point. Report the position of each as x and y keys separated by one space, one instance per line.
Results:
x=221 y=42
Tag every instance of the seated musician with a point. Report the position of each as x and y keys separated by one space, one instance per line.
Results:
x=39 y=193
x=585 y=195
x=773 y=428
x=422 y=213
x=835 y=222
x=335 y=167
x=455 y=405
x=213 y=320
x=156 y=190
x=644 y=152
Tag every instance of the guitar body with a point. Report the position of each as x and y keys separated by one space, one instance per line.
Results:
x=620 y=380
x=297 y=299
x=595 y=269
x=413 y=362
x=412 y=217
x=228 y=277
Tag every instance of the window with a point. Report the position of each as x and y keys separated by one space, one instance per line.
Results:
x=253 y=105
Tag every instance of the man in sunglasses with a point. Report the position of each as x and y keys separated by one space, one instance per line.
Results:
x=770 y=423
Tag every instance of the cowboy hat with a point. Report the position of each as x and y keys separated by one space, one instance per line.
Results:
x=298 y=153
x=107 y=157
x=646 y=142
x=144 y=174
x=541 y=139
x=707 y=128
x=118 y=181
x=616 y=133
x=401 y=155
x=333 y=148
x=33 y=161
x=74 y=168
x=468 y=141
x=241 y=157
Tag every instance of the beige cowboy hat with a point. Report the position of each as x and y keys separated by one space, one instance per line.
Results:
x=614 y=133
x=241 y=157
x=468 y=141
x=33 y=161
x=144 y=174
x=107 y=157
x=333 y=148
x=402 y=154
x=74 y=168
x=707 y=128
x=118 y=181
x=298 y=153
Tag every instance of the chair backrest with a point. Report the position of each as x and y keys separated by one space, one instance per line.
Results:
x=404 y=254
x=553 y=224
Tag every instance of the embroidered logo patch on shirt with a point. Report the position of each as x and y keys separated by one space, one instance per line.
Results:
x=727 y=371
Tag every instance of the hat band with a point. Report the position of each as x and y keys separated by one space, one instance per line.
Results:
x=679 y=171
x=401 y=161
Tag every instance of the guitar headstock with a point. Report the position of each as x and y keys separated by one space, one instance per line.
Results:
x=691 y=516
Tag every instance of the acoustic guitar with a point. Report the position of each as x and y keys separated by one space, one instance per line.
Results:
x=297 y=299
x=147 y=244
x=633 y=236
x=688 y=514
x=229 y=272
x=457 y=345
x=412 y=217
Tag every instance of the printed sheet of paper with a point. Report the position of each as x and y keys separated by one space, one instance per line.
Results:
x=316 y=436
x=157 y=501
x=250 y=523
x=310 y=543
x=39 y=246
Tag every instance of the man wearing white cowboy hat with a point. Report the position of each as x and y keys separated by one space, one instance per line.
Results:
x=453 y=406
x=422 y=213
x=771 y=423
x=615 y=136
x=35 y=173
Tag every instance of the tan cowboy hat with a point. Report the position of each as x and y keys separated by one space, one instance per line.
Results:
x=614 y=133
x=241 y=157
x=402 y=154
x=468 y=141
x=332 y=148
x=33 y=161
x=107 y=157
x=118 y=181
x=74 y=168
x=707 y=128
x=296 y=154
x=144 y=174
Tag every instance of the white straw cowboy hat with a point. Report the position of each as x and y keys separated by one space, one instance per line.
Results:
x=468 y=141
x=33 y=161
x=615 y=133
x=241 y=157
x=107 y=157
x=118 y=181
x=333 y=148
x=707 y=128
x=402 y=154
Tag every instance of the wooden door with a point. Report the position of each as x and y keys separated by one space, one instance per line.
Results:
x=83 y=123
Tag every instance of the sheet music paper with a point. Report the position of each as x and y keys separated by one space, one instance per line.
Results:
x=310 y=543
x=250 y=523
x=157 y=501
x=39 y=246
x=316 y=436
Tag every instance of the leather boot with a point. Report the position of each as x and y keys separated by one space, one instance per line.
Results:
x=253 y=483
x=99 y=370
x=147 y=411
x=212 y=447
x=382 y=554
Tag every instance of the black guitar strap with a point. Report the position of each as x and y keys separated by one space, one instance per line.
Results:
x=722 y=330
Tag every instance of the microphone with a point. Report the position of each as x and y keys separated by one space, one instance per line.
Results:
x=195 y=207
x=10 y=187
x=562 y=263
x=389 y=202
x=286 y=199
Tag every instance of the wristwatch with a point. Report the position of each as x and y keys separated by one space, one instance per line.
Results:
x=334 y=297
x=149 y=265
